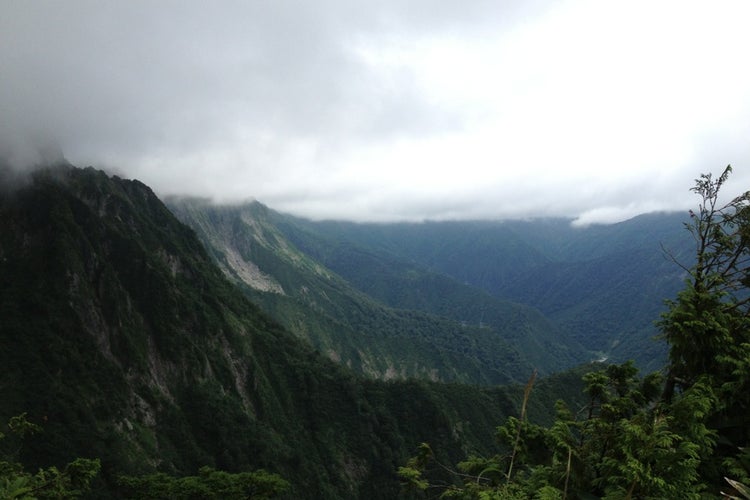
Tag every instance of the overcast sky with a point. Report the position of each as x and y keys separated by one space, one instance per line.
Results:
x=388 y=109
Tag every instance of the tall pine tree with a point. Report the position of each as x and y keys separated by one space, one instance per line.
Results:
x=708 y=324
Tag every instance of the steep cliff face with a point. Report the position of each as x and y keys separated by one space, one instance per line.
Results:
x=102 y=306
x=127 y=343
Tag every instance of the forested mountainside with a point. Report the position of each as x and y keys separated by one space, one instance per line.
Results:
x=395 y=320
x=602 y=287
x=124 y=340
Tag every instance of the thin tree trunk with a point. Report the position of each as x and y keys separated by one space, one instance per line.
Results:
x=631 y=489
x=567 y=473
x=526 y=393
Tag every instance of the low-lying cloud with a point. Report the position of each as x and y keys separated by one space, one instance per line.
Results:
x=386 y=110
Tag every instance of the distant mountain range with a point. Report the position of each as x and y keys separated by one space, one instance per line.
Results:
x=556 y=294
x=324 y=352
x=374 y=313
x=125 y=341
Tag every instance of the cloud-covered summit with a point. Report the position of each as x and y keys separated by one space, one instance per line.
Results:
x=387 y=110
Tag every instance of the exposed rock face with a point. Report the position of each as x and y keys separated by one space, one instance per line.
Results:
x=249 y=273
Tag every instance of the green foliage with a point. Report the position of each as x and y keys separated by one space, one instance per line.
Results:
x=623 y=444
x=451 y=332
x=73 y=481
x=208 y=484
x=411 y=474
x=708 y=325
x=120 y=334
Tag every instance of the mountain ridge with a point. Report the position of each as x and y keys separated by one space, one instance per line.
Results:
x=582 y=279
x=125 y=340
x=460 y=307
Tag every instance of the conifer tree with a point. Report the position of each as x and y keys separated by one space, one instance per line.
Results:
x=708 y=320
x=708 y=325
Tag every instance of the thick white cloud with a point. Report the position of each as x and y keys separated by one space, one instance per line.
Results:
x=388 y=110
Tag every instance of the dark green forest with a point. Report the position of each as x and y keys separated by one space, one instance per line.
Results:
x=601 y=287
x=139 y=362
x=125 y=344
x=428 y=326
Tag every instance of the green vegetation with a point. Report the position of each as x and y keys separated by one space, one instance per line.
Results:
x=427 y=327
x=208 y=484
x=598 y=288
x=405 y=285
x=73 y=481
x=620 y=445
x=124 y=339
x=658 y=437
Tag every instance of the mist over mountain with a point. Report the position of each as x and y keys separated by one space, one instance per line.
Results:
x=122 y=337
x=468 y=211
x=386 y=111
x=324 y=352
